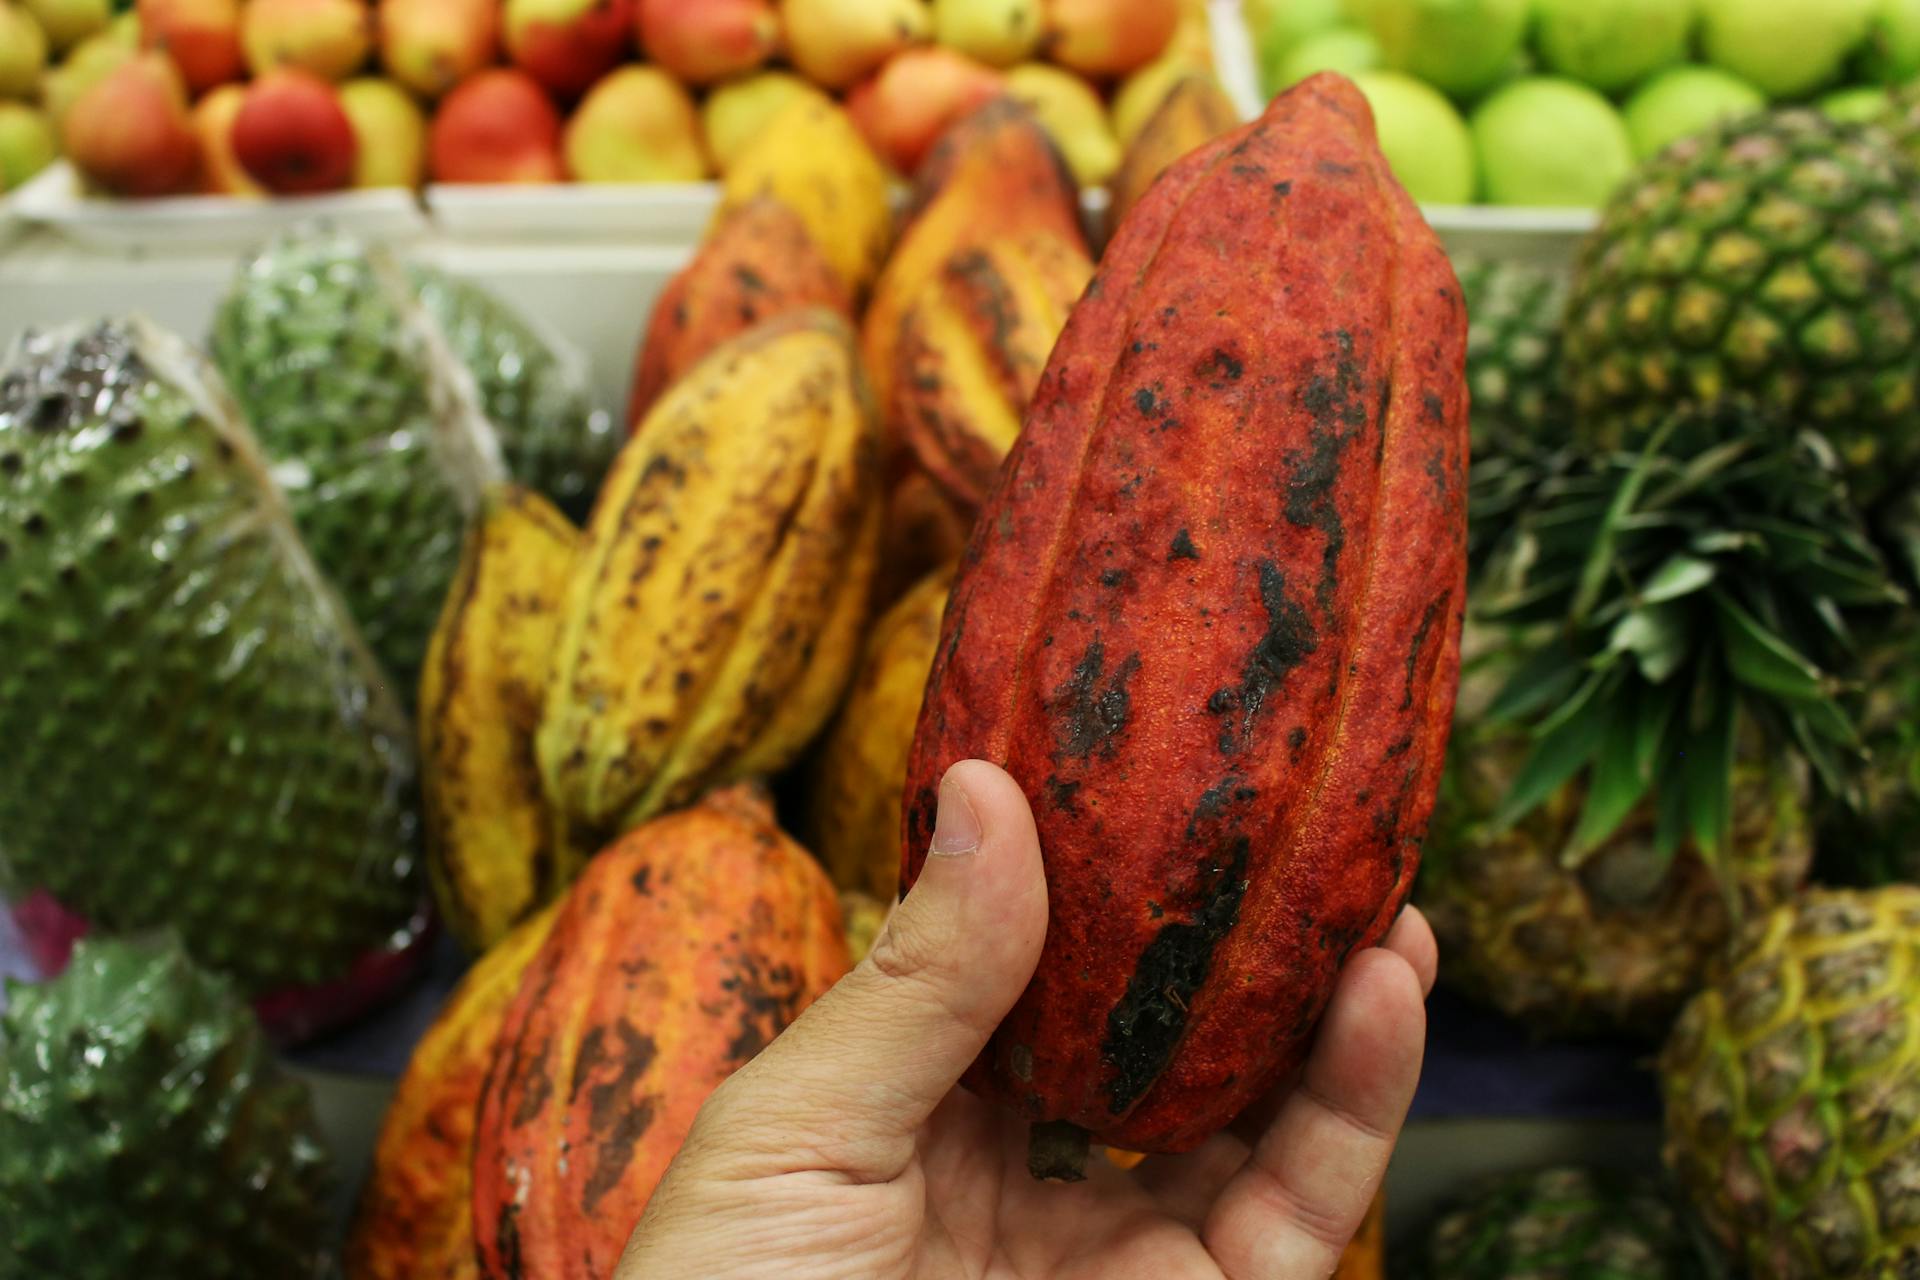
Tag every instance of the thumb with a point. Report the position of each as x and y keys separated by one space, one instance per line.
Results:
x=856 y=1075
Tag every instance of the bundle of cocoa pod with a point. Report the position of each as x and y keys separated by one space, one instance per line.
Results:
x=1179 y=542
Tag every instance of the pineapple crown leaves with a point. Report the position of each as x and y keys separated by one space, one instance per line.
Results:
x=1712 y=580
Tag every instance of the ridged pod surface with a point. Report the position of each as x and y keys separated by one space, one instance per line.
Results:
x=862 y=761
x=1209 y=619
x=489 y=835
x=683 y=950
x=994 y=173
x=717 y=609
x=1195 y=111
x=415 y=1219
x=758 y=261
x=971 y=349
x=811 y=159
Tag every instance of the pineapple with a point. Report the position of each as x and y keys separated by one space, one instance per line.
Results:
x=1792 y=1090
x=1774 y=262
x=1513 y=355
x=1665 y=631
x=1557 y=1224
x=1866 y=837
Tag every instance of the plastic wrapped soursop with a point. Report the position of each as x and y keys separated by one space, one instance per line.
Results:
x=370 y=423
x=197 y=735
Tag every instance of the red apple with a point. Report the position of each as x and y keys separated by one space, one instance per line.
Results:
x=701 y=41
x=566 y=45
x=130 y=133
x=292 y=135
x=911 y=100
x=497 y=127
x=201 y=36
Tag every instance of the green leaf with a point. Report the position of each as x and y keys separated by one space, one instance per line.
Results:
x=1658 y=638
x=1681 y=575
x=1615 y=785
x=1600 y=559
x=1761 y=660
x=1658 y=711
x=1556 y=757
x=1544 y=679
x=1707 y=776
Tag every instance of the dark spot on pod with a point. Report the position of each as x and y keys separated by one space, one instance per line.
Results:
x=1283 y=188
x=1112 y=577
x=1296 y=739
x=1244 y=170
x=1155 y=910
x=1399 y=748
x=1143 y=401
x=1436 y=409
x=1090 y=710
x=1145 y=1026
x=1427 y=618
x=1288 y=641
x=506 y=1233
x=1220 y=364
x=1334 y=169
x=1182 y=548
x=642 y=882
x=617 y=1116
x=749 y=279
x=538 y=1087
x=1062 y=793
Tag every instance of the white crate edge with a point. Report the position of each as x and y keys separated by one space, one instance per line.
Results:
x=56 y=199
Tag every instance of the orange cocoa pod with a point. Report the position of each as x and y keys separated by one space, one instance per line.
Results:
x=971 y=349
x=414 y=1220
x=994 y=173
x=758 y=261
x=683 y=949
x=1365 y=1255
x=1194 y=112
x=921 y=529
x=1209 y=618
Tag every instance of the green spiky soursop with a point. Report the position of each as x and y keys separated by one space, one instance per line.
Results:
x=198 y=738
x=532 y=388
x=369 y=424
x=1773 y=261
x=145 y=1129
x=1557 y=1224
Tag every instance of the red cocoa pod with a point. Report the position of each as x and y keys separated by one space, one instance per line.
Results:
x=682 y=950
x=758 y=261
x=1209 y=618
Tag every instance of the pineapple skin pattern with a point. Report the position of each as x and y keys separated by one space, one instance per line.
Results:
x=1556 y=1224
x=1775 y=261
x=1792 y=1091
x=146 y=1130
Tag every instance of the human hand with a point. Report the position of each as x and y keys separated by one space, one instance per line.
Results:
x=844 y=1149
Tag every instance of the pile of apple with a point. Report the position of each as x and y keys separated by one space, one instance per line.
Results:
x=249 y=97
x=1551 y=102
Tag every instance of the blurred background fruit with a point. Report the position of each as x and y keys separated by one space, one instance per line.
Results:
x=1424 y=138
x=23 y=52
x=1682 y=101
x=292 y=134
x=636 y=125
x=27 y=144
x=1544 y=141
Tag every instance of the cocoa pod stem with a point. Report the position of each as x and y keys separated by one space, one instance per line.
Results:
x=1057 y=1151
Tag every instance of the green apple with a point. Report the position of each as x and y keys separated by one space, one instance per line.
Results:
x=1787 y=48
x=1278 y=25
x=1546 y=141
x=1892 y=55
x=1348 y=50
x=23 y=52
x=1612 y=44
x=1461 y=47
x=68 y=22
x=1422 y=136
x=1684 y=101
x=26 y=143
x=1861 y=104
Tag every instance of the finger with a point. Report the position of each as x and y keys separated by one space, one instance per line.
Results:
x=846 y=1086
x=1303 y=1193
x=1411 y=938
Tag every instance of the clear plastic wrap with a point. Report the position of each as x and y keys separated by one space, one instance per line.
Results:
x=197 y=736
x=369 y=423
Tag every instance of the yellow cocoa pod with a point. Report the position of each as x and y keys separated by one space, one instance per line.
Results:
x=489 y=836
x=1141 y=93
x=862 y=916
x=716 y=611
x=971 y=349
x=414 y=1220
x=812 y=159
x=862 y=762
x=1195 y=111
